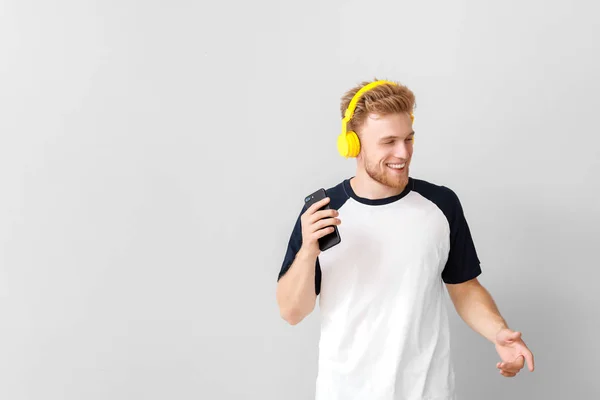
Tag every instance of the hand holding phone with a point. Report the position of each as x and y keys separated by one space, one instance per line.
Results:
x=319 y=223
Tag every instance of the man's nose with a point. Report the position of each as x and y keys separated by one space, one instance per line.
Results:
x=401 y=150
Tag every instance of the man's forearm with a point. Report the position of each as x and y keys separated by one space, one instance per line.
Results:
x=296 y=289
x=477 y=308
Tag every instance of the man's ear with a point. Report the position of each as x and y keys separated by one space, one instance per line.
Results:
x=359 y=156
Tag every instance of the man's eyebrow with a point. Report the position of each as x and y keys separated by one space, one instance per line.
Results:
x=395 y=136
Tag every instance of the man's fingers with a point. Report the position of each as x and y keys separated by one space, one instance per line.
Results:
x=514 y=336
x=507 y=374
x=530 y=362
x=510 y=370
x=507 y=336
x=322 y=214
x=313 y=208
x=325 y=223
x=322 y=232
x=512 y=366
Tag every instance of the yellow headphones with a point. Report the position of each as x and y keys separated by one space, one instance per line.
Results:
x=347 y=142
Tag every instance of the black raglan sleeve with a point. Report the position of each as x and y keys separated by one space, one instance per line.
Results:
x=294 y=244
x=463 y=263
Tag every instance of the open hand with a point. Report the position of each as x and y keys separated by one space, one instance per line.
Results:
x=513 y=352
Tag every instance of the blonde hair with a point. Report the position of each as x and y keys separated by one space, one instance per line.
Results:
x=382 y=100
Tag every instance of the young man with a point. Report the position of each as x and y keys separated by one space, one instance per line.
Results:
x=384 y=327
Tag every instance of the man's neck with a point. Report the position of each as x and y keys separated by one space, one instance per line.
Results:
x=366 y=187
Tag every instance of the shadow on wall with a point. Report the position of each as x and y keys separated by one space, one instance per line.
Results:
x=542 y=270
x=556 y=328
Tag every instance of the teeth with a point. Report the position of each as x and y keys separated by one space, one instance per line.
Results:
x=397 y=166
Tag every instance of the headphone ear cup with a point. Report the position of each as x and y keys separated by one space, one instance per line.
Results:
x=353 y=143
x=348 y=144
x=342 y=145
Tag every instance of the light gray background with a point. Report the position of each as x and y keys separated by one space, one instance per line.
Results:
x=154 y=156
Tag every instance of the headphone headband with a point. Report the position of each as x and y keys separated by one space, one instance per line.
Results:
x=348 y=143
x=349 y=113
x=352 y=106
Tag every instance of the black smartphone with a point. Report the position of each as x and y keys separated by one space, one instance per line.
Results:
x=333 y=238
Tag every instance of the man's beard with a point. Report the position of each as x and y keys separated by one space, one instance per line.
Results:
x=396 y=180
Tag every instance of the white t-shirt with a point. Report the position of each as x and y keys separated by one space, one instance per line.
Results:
x=384 y=326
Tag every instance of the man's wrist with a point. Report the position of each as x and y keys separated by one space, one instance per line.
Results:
x=304 y=254
x=499 y=328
